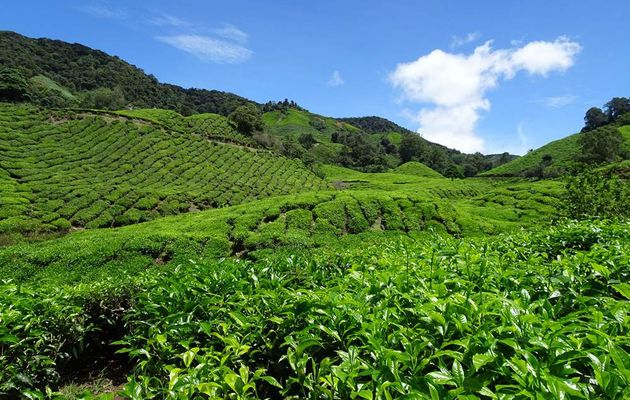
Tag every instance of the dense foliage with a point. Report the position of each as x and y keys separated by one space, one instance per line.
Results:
x=91 y=72
x=227 y=257
x=13 y=85
x=512 y=317
x=601 y=145
x=413 y=147
x=601 y=193
x=247 y=119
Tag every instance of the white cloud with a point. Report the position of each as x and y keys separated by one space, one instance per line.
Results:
x=544 y=57
x=335 y=79
x=169 y=20
x=458 y=41
x=102 y=11
x=456 y=85
x=559 y=101
x=209 y=49
x=231 y=32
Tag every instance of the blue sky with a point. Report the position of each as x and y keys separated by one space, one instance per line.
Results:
x=486 y=75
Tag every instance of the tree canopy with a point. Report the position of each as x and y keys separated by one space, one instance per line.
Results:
x=247 y=119
x=601 y=145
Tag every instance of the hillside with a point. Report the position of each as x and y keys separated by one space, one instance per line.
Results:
x=417 y=169
x=80 y=69
x=79 y=76
x=89 y=169
x=562 y=152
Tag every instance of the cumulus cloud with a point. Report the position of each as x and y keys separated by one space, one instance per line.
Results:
x=456 y=85
x=335 y=79
x=208 y=48
x=458 y=41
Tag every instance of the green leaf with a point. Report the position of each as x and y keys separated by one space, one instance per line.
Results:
x=479 y=360
x=271 y=380
x=364 y=394
x=161 y=339
x=231 y=380
x=433 y=392
x=306 y=344
x=441 y=377
x=458 y=373
x=623 y=289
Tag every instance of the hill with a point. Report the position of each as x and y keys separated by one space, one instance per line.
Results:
x=417 y=169
x=89 y=169
x=78 y=69
x=79 y=76
x=368 y=144
x=562 y=152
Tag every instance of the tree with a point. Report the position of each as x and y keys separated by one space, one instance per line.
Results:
x=104 y=99
x=616 y=107
x=388 y=147
x=247 y=119
x=601 y=145
x=412 y=147
x=13 y=85
x=307 y=140
x=470 y=170
x=504 y=159
x=453 y=172
x=594 y=118
x=597 y=193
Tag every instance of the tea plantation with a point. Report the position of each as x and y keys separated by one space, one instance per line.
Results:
x=147 y=255
x=543 y=315
x=70 y=169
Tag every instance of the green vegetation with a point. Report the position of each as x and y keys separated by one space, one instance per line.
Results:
x=604 y=139
x=429 y=317
x=210 y=126
x=602 y=192
x=601 y=145
x=217 y=248
x=94 y=75
x=417 y=169
x=563 y=153
x=92 y=170
x=247 y=119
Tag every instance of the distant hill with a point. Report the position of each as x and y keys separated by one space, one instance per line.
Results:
x=81 y=69
x=562 y=153
x=71 y=75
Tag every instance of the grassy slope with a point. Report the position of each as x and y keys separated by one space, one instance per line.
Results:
x=97 y=170
x=417 y=169
x=294 y=123
x=563 y=152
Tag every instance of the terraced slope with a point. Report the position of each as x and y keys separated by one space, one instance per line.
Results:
x=62 y=170
x=562 y=151
x=211 y=126
x=292 y=222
